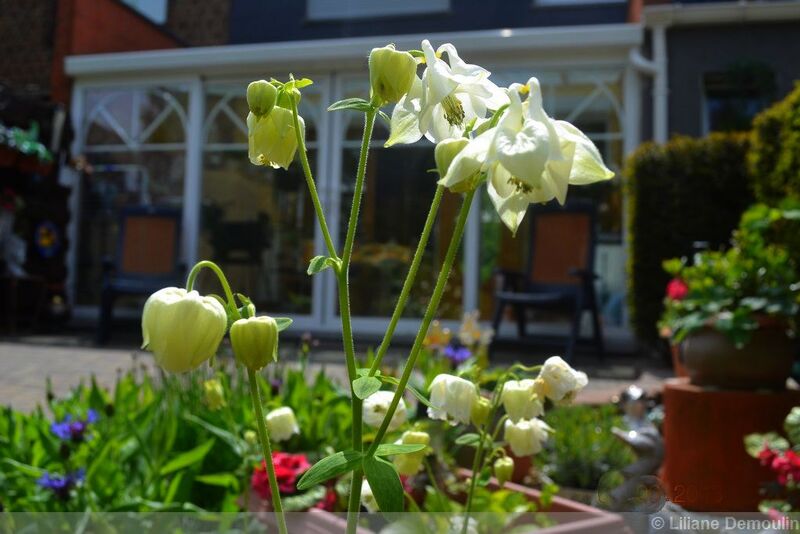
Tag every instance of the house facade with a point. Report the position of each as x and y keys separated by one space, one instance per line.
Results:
x=168 y=127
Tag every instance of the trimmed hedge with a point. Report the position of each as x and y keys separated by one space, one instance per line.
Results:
x=680 y=192
x=774 y=156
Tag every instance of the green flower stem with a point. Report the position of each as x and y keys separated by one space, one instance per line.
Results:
x=433 y=306
x=354 y=503
x=267 y=451
x=477 y=469
x=409 y=282
x=222 y=280
x=312 y=188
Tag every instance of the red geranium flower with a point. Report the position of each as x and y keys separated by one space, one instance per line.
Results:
x=677 y=289
x=328 y=503
x=288 y=468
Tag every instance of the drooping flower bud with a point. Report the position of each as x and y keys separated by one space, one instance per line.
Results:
x=282 y=424
x=214 y=394
x=560 y=382
x=376 y=406
x=271 y=138
x=525 y=437
x=410 y=464
x=445 y=151
x=520 y=400
x=503 y=470
x=479 y=413
x=261 y=97
x=391 y=73
x=452 y=398
x=255 y=341
x=368 y=499
x=182 y=328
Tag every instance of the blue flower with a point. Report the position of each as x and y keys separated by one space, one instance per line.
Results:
x=457 y=355
x=61 y=485
x=74 y=430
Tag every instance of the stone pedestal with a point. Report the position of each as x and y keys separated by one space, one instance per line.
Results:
x=706 y=468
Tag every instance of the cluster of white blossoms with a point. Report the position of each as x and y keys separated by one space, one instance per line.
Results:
x=457 y=400
x=501 y=135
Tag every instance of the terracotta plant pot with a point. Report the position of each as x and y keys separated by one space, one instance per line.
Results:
x=711 y=359
x=569 y=516
x=677 y=361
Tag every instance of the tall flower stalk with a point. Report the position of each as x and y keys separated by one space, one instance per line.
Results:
x=484 y=134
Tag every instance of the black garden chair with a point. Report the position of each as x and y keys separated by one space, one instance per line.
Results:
x=147 y=259
x=559 y=275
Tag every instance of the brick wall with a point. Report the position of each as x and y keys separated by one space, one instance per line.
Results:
x=26 y=45
x=199 y=23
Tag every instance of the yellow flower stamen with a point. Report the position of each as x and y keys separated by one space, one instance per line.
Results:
x=453 y=110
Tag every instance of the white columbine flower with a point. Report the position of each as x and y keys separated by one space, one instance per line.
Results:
x=282 y=424
x=452 y=398
x=520 y=400
x=377 y=405
x=368 y=499
x=533 y=158
x=450 y=94
x=525 y=437
x=560 y=382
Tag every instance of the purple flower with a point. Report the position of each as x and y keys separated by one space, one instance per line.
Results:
x=457 y=355
x=61 y=485
x=73 y=430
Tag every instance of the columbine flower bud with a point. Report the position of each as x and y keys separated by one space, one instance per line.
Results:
x=261 y=97
x=525 y=437
x=368 y=499
x=503 y=470
x=376 y=407
x=181 y=328
x=446 y=151
x=479 y=413
x=282 y=424
x=520 y=400
x=560 y=382
x=255 y=341
x=453 y=398
x=391 y=73
x=271 y=138
x=214 y=394
x=410 y=464
x=251 y=437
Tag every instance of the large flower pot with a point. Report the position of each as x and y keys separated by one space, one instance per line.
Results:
x=711 y=359
x=568 y=516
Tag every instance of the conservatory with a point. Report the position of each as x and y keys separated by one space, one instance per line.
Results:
x=168 y=128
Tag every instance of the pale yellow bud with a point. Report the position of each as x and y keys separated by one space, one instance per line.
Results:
x=445 y=151
x=182 y=328
x=391 y=73
x=261 y=97
x=271 y=138
x=214 y=394
x=255 y=341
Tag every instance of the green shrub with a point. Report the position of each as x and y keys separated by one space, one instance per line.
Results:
x=582 y=449
x=774 y=155
x=680 y=192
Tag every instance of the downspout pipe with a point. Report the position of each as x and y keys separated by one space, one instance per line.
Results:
x=657 y=69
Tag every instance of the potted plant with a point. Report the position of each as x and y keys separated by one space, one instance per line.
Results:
x=734 y=312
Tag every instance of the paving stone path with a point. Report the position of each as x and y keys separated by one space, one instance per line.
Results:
x=24 y=368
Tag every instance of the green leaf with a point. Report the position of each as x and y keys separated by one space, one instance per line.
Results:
x=792 y=425
x=385 y=484
x=302 y=82
x=320 y=263
x=364 y=371
x=188 y=458
x=358 y=104
x=365 y=386
x=222 y=480
x=389 y=449
x=470 y=439
x=420 y=397
x=230 y=439
x=753 y=443
x=329 y=467
x=283 y=323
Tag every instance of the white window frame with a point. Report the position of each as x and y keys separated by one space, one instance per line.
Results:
x=320 y=10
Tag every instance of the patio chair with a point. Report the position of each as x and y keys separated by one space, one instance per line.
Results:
x=559 y=275
x=147 y=259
